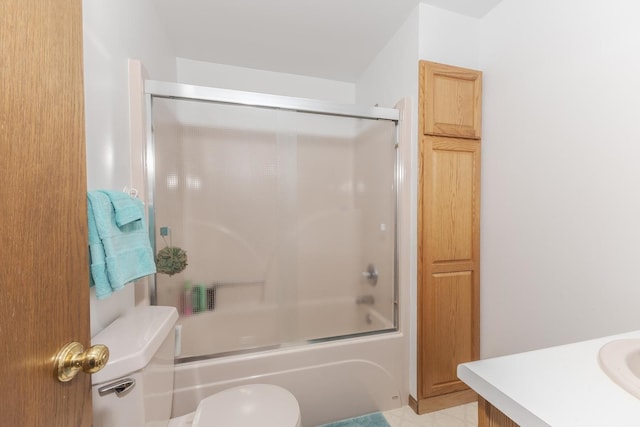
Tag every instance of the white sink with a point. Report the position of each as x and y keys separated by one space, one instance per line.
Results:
x=620 y=360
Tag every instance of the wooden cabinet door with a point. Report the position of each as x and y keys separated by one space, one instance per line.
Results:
x=451 y=97
x=450 y=245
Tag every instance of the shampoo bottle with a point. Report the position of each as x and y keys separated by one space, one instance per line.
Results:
x=197 y=299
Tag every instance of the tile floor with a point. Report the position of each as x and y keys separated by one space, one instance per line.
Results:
x=458 y=416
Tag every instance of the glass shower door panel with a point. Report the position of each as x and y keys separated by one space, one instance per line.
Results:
x=280 y=214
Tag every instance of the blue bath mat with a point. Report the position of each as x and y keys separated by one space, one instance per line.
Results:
x=371 y=420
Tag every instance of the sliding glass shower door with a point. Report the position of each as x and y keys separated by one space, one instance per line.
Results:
x=287 y=219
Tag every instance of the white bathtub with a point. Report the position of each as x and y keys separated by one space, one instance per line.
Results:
x=331 y=380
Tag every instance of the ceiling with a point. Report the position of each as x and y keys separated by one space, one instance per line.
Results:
x=332 y=39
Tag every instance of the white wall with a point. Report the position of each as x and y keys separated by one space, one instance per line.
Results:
x=252 y=80
x=448 y=37
x=560 y=172
x=113 y=32
x=393 y=76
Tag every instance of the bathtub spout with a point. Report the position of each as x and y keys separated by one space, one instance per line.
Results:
x=365 y=299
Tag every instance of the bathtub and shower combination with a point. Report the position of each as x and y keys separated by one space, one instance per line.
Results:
x=287 y=210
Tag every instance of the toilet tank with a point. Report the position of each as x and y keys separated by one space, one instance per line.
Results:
x=141 y=350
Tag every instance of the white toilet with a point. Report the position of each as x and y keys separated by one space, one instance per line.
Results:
x=135 y=388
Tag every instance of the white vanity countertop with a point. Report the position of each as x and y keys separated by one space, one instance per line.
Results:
x=558 y=387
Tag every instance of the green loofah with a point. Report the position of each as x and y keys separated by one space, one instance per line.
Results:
x=171 y=260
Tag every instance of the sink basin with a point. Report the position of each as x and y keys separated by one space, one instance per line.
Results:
x=620 y=360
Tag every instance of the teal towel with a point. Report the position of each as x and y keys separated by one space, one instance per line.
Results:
x=98 y=260
x=125 y=207
x=119 y=253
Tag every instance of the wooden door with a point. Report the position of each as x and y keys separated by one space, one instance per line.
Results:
x=43 y=228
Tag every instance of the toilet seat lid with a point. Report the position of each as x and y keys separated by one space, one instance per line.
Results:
x=262 y=405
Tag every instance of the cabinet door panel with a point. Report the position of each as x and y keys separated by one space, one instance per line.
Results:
x=449 y=330
x=451 y=208
x=450 y=250
x=452 y=205
x=452 y=100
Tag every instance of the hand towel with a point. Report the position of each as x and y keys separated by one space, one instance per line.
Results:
x=125 y=207
x=119 y=253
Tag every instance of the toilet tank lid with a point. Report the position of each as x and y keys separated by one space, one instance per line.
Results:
x=133 y=339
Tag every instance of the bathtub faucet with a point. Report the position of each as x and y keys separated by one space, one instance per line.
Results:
x=365 y=299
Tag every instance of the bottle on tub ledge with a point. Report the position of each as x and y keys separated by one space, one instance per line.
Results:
x=199 y=299
x=196 y=299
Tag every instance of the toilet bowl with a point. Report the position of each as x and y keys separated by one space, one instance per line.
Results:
x=263 y=405
x=141 y=346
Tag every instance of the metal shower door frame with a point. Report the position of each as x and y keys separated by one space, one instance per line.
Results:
x=179 y=91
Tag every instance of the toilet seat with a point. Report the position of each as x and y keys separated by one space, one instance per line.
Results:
x=262 y=405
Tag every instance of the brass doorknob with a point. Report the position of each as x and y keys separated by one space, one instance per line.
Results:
x=73 y=358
